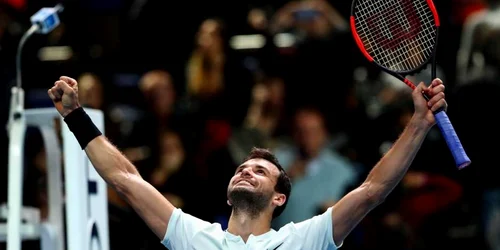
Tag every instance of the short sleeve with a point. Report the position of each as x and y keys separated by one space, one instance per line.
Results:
x=318 y=232
x=181 y=229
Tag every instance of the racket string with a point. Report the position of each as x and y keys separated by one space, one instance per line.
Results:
x=398 y=36
x=394 y=42
x=399 y=17
x=387 y=32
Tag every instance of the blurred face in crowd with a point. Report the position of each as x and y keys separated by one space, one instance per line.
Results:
x=209 y=37
x=159 y=90
x=90 y=91
x=257 y=19
x=310 y=131
x=276 y=91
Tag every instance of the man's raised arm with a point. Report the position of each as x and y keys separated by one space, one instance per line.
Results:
x=389 y=171
x=112 y=166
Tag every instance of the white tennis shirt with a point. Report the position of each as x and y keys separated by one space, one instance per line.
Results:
x=186 y=232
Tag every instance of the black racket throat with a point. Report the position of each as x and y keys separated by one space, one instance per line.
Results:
x=432 y=60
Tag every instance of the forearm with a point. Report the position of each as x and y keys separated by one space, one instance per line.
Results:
x=123 y=177
x=109 y=162
x=389 y=171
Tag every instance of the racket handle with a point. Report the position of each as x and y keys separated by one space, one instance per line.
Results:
x=451 y=138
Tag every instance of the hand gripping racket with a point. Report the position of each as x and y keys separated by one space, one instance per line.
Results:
x=400 y=37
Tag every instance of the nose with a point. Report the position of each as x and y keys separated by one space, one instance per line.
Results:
x=246 y=171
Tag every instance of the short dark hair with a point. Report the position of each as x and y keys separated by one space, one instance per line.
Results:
x=283 y=184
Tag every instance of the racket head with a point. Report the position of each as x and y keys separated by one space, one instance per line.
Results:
x=400 y=36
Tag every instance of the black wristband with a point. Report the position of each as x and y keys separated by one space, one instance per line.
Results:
x=82 y=126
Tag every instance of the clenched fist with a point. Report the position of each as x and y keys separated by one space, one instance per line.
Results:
x=64 y=94
x=424 y=109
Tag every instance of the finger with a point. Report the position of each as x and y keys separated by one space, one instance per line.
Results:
x=441 y=104
x=56 y=92
x=437 y=89
x=420 y=88
x=64 y=86
x=435 y=99
x=57 y=101
x=436 y=82
x=58 y=83
x=52 y=97
x=58 y=87
x=70 y=81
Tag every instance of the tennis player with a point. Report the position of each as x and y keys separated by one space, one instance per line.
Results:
x=257 y=192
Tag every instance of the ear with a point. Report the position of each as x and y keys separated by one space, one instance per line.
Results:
x=279 y=199
x=229 y=203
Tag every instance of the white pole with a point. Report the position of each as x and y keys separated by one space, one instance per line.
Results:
x=17 y=129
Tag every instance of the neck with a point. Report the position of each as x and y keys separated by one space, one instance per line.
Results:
x=243 y=224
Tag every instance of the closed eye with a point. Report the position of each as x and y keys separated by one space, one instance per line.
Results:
x=260 y=170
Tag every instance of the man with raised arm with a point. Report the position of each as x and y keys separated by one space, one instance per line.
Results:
x=257 y=192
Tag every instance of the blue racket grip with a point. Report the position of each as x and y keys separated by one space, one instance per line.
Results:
x=451 y=138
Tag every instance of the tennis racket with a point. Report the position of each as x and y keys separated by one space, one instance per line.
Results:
x=400 y=37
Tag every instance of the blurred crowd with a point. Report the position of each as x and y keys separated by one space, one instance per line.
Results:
x=188 y=89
